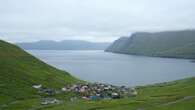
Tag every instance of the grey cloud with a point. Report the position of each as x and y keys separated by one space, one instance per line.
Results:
x=99 y=20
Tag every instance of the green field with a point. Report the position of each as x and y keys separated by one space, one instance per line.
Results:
x=19 y=71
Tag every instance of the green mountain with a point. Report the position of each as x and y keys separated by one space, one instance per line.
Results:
x=19 y=71
x=178 y=44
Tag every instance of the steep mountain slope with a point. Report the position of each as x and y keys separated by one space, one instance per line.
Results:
x=19 y=71
x=64 y=45
x=118 y=45
x=179 y=44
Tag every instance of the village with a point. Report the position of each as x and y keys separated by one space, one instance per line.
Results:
x=88 y=91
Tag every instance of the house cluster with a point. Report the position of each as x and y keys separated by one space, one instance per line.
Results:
x=88 y=91
x=94 y=91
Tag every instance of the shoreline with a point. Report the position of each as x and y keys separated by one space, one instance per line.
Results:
x=156 y=56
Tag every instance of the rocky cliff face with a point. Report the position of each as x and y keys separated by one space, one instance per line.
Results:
x=178 y=44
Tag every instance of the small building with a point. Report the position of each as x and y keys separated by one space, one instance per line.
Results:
x=115 y=95
x=48 y=91
x=85 y=98
x=39 y=86
x=64 y=89
x=82 y=90
x=133 y=92
x=94 y=98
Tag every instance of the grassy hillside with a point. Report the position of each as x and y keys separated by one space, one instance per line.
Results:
x=179 y=44
x=19 y=71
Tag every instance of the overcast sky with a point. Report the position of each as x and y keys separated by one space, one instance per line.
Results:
x=92 y=20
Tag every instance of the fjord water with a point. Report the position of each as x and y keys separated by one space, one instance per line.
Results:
x=117 y=69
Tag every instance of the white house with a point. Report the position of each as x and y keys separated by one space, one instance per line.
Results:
x=37 y=86
x=64 y=89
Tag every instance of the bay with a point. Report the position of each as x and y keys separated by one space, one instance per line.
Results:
x=117 y=69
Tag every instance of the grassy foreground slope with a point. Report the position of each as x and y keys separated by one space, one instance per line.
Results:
x=19 y=71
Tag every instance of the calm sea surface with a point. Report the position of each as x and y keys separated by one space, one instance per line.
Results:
x=118 y=69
